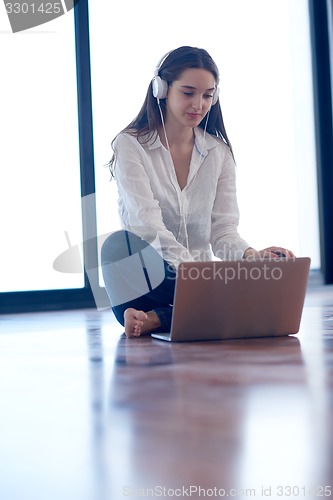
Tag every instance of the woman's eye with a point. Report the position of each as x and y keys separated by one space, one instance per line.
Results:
x=205 y=96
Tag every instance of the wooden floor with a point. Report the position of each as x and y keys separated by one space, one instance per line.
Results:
x=86 y=414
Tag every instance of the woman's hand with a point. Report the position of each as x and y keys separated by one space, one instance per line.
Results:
x=268 y=253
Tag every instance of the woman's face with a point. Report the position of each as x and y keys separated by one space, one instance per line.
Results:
x=190 y=97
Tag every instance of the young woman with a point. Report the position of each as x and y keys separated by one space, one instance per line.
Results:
x=175 y=172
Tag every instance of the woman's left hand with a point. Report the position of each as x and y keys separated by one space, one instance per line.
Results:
x=269 y=253
x=278 y=252
x=274 y=252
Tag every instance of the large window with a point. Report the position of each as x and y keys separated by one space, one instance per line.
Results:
x=40 y=200
x=262 y=48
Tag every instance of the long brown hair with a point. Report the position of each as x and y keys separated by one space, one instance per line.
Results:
x=149 y=119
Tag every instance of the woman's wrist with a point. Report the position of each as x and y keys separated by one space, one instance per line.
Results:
x=249 y=252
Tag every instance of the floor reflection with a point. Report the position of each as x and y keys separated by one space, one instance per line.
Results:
x=86 y=413
x=186 y=423
x=142 y=352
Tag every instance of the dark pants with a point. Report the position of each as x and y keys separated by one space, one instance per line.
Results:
x=135 y=275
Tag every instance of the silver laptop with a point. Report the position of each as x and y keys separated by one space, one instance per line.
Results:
x=238 y=299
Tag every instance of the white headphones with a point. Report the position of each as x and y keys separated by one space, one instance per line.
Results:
x=160 y=87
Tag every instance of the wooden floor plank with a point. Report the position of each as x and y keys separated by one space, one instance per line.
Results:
x=86 y=414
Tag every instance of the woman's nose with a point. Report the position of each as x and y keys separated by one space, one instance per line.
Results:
x=197 y=103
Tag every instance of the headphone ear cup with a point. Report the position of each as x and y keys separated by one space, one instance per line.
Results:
x=160 y=87
x=216 y=96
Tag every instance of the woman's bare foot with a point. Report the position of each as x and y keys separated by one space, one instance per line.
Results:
x=140 y=323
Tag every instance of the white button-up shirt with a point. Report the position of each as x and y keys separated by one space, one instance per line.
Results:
x=196 y=223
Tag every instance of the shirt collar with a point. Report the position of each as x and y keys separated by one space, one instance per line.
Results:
x=203 y=143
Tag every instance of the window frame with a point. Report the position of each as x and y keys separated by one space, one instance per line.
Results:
x=321 y=26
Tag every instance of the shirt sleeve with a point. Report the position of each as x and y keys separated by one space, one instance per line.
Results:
x=140 y=211
x=225 y=239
